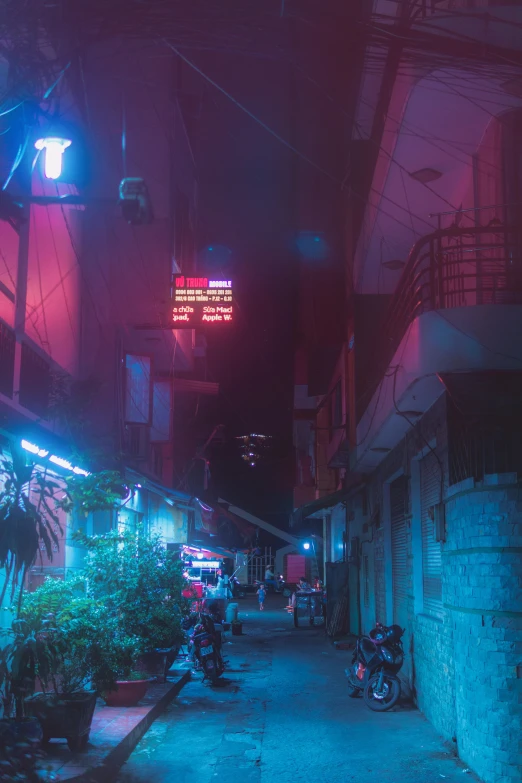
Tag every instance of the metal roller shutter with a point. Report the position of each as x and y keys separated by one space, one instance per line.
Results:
x=431 y=549
x=400 y=575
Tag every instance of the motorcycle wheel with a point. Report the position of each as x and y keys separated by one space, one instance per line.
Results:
x=210 y=669
x=390 y=695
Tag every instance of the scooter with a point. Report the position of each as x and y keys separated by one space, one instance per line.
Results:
x=205 y=645
x=376 y=661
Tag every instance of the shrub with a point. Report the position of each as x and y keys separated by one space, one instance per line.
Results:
x=140 y=583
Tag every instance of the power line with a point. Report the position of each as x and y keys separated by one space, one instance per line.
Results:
x=251 y=115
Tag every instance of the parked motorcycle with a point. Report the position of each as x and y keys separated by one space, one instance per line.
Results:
x=205 y=646
x=376 y=661
x=219 y=629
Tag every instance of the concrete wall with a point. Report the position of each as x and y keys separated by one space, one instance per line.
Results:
x=464 y=667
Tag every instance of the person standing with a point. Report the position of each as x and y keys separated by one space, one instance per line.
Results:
x=261 y=595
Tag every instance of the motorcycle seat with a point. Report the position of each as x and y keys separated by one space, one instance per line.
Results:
x=367 y=646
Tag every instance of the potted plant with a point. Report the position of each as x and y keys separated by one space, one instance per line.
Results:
x=237 y=627
x=29 y=653
x=141 y=583
x=88 y=657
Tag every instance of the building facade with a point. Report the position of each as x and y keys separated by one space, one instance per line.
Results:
x=90 y=365
x=429 y=457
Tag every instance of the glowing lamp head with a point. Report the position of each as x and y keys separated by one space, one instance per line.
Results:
x=54 y=148
x=306 y=545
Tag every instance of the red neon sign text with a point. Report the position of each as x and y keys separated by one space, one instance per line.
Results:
x=191 y=282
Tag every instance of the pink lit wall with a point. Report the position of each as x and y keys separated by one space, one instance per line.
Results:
x=8 y=271
x=53 y=283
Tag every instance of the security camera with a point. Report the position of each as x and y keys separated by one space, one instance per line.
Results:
x=135 y=203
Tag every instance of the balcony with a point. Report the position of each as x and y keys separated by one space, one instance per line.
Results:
x=459 y=267
x=457 y=308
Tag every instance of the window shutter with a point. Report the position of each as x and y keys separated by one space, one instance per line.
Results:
x=400 y=575
x=431 y=549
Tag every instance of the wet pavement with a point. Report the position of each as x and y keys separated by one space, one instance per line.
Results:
x=282 y=715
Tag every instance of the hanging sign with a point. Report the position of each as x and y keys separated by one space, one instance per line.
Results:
x=199 y=301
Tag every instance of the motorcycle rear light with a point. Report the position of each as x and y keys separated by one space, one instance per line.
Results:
x=205 y=643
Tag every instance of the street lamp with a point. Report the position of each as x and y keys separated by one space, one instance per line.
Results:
x=54 y=148
x=306 y=545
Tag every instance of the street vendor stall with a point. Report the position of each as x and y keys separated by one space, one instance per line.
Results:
x=309 y=609
x=204 y=570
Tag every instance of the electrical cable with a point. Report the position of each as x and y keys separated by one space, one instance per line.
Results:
x=476 y=339
x=56 y=254
x=251 y=115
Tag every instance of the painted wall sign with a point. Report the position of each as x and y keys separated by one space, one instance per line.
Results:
x=199 y=301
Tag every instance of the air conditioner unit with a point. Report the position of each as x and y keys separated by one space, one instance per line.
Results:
x=137 y=441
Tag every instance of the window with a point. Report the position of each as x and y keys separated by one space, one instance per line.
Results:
x=161 y=411
x=137 y=389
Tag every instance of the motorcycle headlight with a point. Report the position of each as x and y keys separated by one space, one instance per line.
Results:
x=386 y=654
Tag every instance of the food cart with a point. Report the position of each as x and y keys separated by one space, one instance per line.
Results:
x=202 y=568
x=309 y=609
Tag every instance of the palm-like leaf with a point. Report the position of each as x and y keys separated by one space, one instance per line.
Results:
x=24 y=523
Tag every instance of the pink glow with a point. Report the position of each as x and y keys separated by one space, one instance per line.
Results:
x=53 y=295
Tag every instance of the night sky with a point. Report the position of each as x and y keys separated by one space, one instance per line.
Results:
x=258 y=199
x=247 y=198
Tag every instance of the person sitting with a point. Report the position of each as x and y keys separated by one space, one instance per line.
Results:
x=302 y=587
x=269 y=578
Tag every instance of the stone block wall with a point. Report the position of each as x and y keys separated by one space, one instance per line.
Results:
x=434 y=672
x=466 y=668
x=483 y=579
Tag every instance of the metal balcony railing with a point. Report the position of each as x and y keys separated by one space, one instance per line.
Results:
x=456 y=267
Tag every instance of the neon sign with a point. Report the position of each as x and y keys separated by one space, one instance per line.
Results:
x=198 y=301
x=32 y=448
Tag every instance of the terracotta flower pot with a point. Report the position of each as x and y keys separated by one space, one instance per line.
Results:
x=127 y=694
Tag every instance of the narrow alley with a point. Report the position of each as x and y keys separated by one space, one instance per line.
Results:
x=282 y=715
